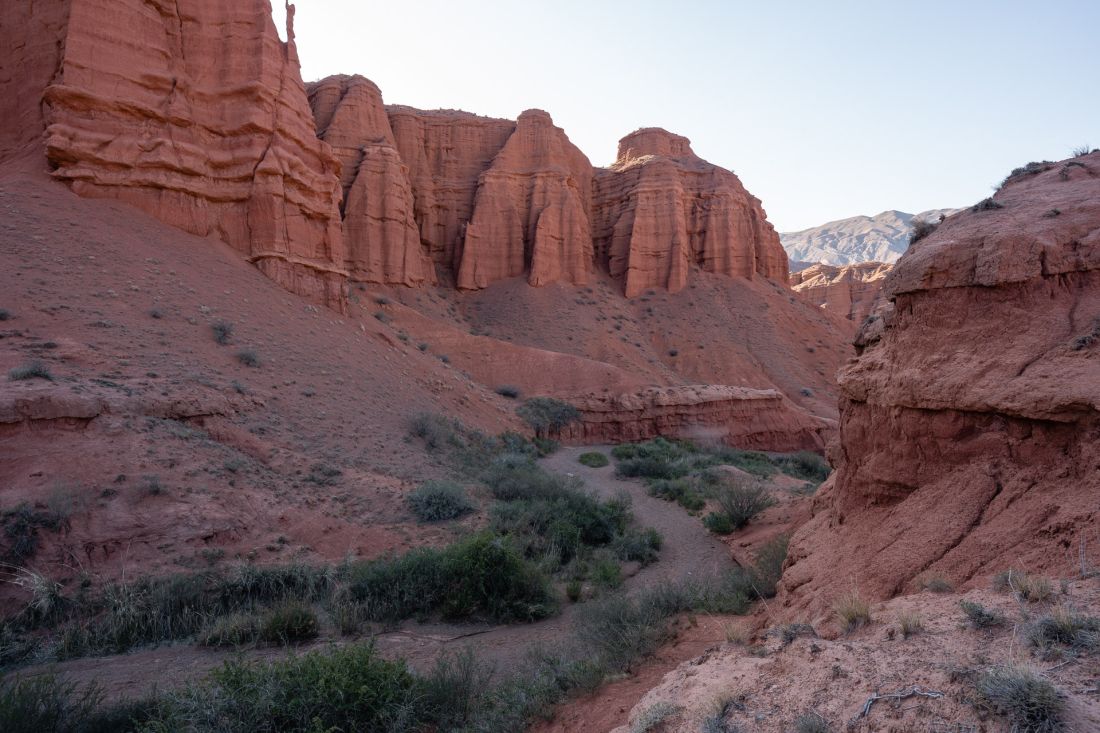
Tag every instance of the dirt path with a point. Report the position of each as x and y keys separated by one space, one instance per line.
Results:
x=688 y=550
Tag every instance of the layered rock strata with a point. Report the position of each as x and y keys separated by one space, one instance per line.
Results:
x=191 y=110
x=969 y=424
x=737 y=416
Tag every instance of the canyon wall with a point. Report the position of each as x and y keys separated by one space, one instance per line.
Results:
x=191 y=110
x=737 y=416
x=970 y=423
x=849 y=291
x=495 y=199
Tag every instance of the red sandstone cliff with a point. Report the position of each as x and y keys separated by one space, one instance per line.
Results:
x=660 y=210
x=191 y=110
x=381 y=238
x=849 y=291
x=494 y=199
x=531 y=210
x=970 y=424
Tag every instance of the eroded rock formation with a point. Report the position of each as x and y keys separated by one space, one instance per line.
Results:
x=849 y=291
x=531 y=210
x=660 y=210
x=736 y=416
x=193 y=111
x=494 y=199
x=970 y=423
x=381 y=239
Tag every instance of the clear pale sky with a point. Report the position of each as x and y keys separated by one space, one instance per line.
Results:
x=825 y=109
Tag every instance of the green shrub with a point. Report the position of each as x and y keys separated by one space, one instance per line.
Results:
x=739 y=501
x=223 y=332
x=436 y=501
x=718 y=523
x=290 y=623
x=987 y=204
x=979 y=616
x=606 y=572
x=936 y=584
x=656 y=459
x=749 y=461
x=345 y=689
x=680 y=490
x=1028 y=700
x=593 y=459
x=480 y=576
x=46 y=704
x=768 y=568
x=921 y=228
x=547 y=416
x=30 y=370
x=641 y=546
x=805 y=465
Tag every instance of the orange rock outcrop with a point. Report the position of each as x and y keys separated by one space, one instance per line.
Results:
x=849 y=291
x=193 y=111
x=737 y=416
x=970 y=423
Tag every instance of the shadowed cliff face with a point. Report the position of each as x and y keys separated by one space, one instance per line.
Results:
x=969 y=425
x=495 y=199
x=193 y=111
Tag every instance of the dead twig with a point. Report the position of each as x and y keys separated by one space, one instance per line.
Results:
x=902 y=695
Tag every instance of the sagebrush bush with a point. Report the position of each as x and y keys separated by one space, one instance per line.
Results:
x=741 y=500
x=435 y=430
x=680 y=490
x=1027 y=699
x=1063 y=626
x=223 y=331
x=920 y=228
x=508 y=391
x=30 y=370
x=437 y=501
x=981 y=617
x=811 y=723
x=987 y=204
x=249 y=358
x=593 y=459
x=936 y=583
x=1026 y=586
x=641 y=546
x=768 y=566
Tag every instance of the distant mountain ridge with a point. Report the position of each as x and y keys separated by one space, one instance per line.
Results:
x=880 y=238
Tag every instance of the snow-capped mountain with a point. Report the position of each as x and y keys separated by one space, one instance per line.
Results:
x=880 y=238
